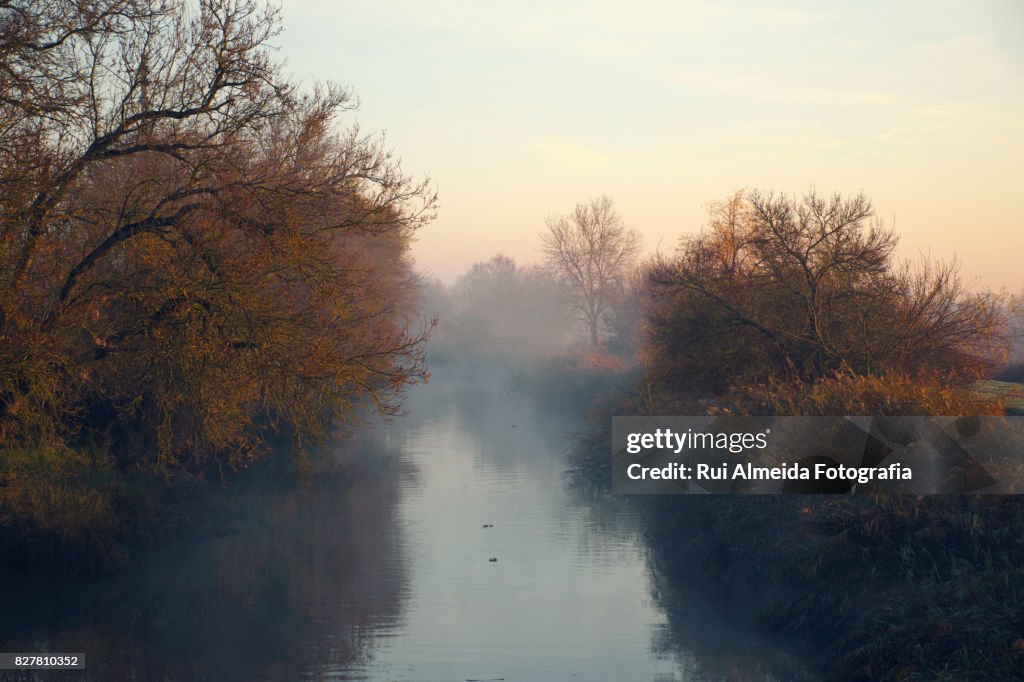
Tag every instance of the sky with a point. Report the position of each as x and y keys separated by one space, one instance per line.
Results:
x=520 y=110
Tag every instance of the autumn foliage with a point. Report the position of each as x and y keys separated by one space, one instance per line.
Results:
x=192 y=250
x=800 y=306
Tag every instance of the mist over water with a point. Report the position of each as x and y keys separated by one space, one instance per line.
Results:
x=445 y=545
x=200 y=255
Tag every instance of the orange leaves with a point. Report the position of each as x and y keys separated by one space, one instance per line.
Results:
x=227 y=258
x=889 y=394
x=792 y=290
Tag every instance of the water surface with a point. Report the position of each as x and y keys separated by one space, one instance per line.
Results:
x=445 y=545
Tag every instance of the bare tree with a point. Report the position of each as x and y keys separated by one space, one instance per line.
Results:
x=593 y=252
x=778 y=287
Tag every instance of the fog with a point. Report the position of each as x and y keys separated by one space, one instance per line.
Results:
x=502 y=312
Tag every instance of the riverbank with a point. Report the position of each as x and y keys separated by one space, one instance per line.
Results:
x=865 y=587
x=872 y=588
x=76 y=512
x=73 y=513
x=77 y=515
x=383 y=571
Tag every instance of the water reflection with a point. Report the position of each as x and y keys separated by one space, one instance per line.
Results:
x=712 y=644
x=383 y=570
x=545 y=610
x=299 y=583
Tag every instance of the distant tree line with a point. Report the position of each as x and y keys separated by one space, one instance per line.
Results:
x=780 y=304
x=500 y=311
x=580 y=299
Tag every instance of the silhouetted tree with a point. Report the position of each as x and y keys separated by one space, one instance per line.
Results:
x=592 y=251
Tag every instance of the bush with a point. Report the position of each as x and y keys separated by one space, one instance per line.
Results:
x=890 y=394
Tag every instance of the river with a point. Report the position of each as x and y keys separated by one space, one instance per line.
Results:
x=445 y=545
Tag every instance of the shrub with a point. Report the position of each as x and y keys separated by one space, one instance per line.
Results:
x=891 y=394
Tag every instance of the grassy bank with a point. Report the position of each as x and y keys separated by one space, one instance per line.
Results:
x=1010 y=393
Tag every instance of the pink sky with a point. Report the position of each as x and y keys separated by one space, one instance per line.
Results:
x=519 y=110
